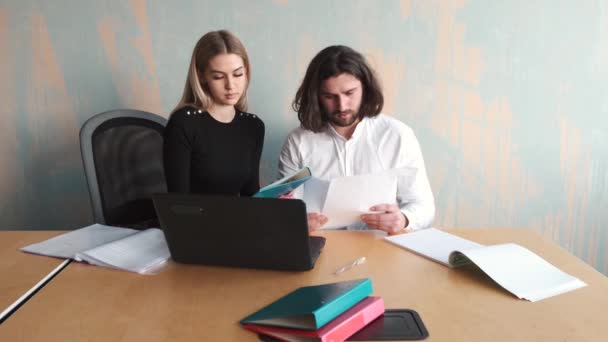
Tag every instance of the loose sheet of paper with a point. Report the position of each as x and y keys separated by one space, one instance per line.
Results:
x=315 y=192
x=350 y=197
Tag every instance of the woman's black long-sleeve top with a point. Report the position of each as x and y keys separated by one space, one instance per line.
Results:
x=203 y=155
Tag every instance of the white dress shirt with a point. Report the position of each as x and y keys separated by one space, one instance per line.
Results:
x=378 y=144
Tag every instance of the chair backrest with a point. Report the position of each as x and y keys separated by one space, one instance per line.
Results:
x=122 y=153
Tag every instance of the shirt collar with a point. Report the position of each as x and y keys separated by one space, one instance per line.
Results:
x=356 y=134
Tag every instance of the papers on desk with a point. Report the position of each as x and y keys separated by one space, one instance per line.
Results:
x=120 y=248
x=515 y=268
x=344 y=199
x=435 y=244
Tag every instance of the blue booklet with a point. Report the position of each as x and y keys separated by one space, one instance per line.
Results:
x=311 y=307
x=284 y=185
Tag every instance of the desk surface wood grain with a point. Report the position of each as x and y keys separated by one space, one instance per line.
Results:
x=20 y=271
x=203 y=303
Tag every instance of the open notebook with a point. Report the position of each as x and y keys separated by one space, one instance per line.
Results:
x=515 y=268
x=125 y=249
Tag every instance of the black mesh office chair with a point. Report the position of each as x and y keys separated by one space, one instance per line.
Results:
x=122 y=153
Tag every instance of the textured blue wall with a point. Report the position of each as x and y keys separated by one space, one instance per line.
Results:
x=508 y=98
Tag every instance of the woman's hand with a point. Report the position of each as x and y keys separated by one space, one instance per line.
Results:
x=288 y=195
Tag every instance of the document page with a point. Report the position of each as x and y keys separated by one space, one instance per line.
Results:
x=143 y=252
x=315 y=192
x=68 y=244
x=522 y=272
x=433 y=244
x=350 y=197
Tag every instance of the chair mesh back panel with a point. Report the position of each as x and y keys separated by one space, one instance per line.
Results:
x=128 y=154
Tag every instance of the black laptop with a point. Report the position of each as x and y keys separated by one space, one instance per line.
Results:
x=234 y=231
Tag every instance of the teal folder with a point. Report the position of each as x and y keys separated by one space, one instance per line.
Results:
x=312 y=307
x=285 y=185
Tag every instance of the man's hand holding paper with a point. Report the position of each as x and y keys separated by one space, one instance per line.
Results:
x=347 y=200
x=386 y=217
x=316 y=221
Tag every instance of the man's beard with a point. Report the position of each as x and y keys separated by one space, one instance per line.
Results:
x=343 y=122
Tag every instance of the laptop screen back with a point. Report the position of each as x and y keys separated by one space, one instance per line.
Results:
x=235 y=231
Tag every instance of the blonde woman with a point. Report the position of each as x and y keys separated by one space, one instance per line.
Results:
x=212 y=144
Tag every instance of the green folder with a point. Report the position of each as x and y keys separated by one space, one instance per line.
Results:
x=311 y=307
x=284 y=185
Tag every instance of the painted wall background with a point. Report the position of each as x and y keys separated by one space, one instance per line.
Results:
x=509 y=99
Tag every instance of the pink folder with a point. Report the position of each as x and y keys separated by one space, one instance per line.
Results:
x=339 y=329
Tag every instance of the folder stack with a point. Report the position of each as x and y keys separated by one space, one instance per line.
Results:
x=326 y=312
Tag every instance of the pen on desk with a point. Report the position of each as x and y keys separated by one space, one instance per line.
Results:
x=350 y=265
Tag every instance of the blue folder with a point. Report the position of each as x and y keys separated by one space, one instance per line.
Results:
x=311 y=307
x=285 y=185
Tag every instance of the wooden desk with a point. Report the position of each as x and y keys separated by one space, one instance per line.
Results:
x=187 y=303
x=20 y=271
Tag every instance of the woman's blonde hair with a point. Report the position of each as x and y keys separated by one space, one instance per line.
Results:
x=210 y=45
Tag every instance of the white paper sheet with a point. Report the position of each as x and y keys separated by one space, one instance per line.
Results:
x=315 y=192
x=350 y=197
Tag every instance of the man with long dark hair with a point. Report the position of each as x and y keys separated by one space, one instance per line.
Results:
x=342 y=133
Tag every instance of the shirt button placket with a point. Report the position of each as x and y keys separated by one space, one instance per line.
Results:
x=348 y=159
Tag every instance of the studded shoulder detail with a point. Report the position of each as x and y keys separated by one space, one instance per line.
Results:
x=194 y=112
x=248 y=115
